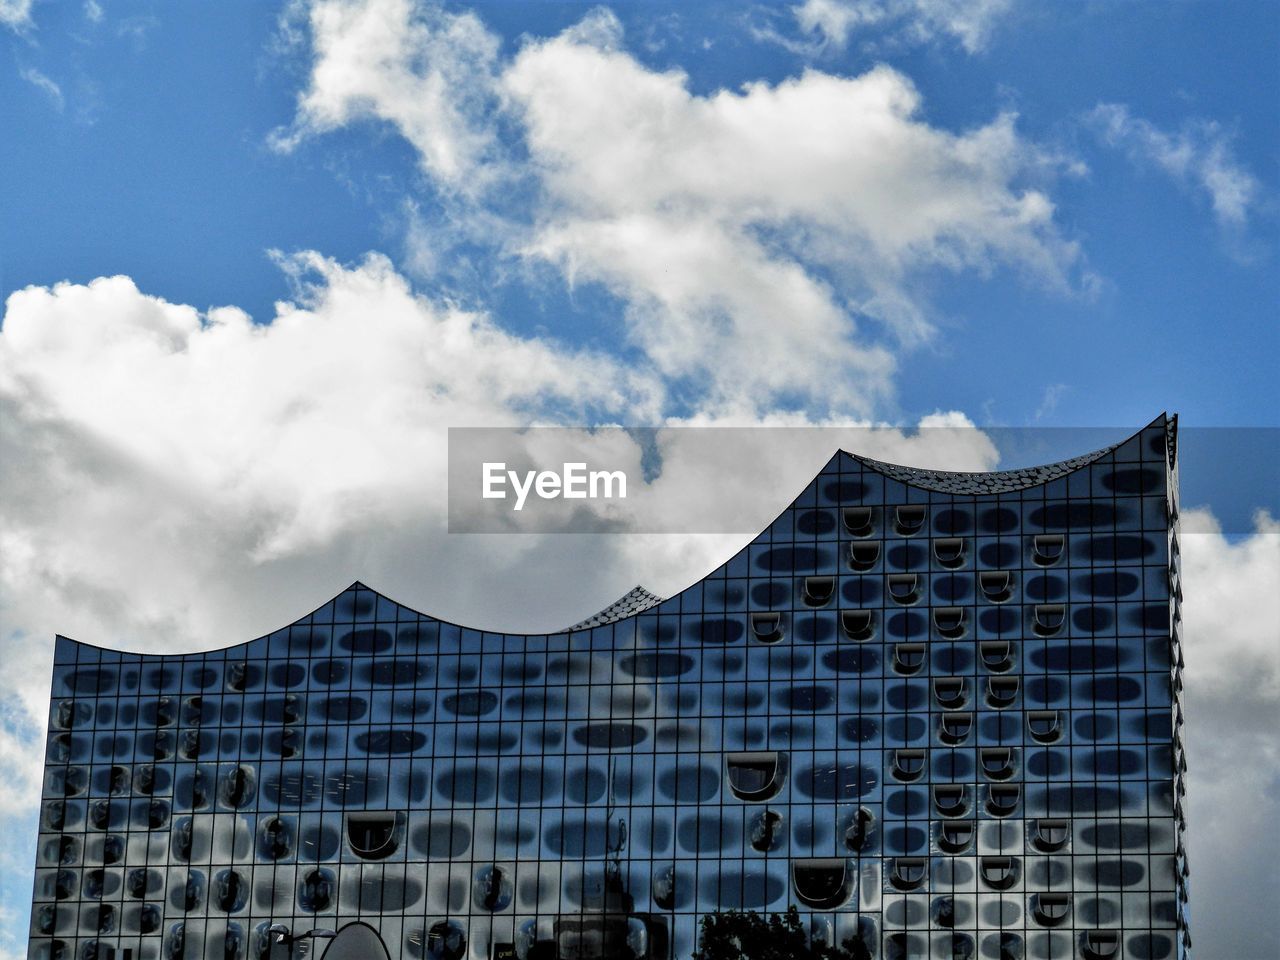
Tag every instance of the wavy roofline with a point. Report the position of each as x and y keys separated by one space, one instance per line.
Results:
x=917 y=477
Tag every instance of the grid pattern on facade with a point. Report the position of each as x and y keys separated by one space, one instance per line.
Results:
x=946 y=724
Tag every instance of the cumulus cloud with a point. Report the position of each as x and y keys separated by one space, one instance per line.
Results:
x=1198 y=157
x=1230 y=610
x=784 y=221
x=967 y=22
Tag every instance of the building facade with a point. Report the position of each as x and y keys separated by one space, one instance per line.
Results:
x=938 y=712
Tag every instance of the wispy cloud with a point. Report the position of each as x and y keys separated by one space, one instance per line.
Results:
x=16 y=14
x=831 y=25
x=93 y=11
x=1199 y=157
x=44 y=84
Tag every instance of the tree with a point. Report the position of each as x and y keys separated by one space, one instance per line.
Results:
x=746 y=935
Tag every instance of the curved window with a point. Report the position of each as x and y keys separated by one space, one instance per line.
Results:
x=494 y=888
x=857 y=624
x=1048 y=548
x=818 y=590
x=955 y=836
x=1044 y=725
x=317 y=891
x=766 y=831
x=664 y=886
x=275 y=839
x=767 y=626
x=908 y=518
x=236 y=788
x=857 y=520
x=864 y=556
x=997 y=655
x=953 y=728
x=1049 y=618
x=858 y=835
x=997 y=762
x=1100 y=944
x=824 y=884
x=949 y=621
x=908 y=765
x=950 y=799
x=1050 y=909
x=950 y=692
x=996 y=585
x=372 y=835
x=231 y=891
x=949 y=552
x=903 y=587
x=1052 y=835
x=909 y=872
x=908 y=658
x=1002 y=799
x=755 y=776
x=446 y=940
x=943 y=912
x=1002 y=691
x=999 y=873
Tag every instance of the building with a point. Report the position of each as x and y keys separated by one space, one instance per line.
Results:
x=939 y=712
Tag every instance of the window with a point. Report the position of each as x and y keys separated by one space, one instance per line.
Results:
x=950 y=799
x=954 y=836
x=997 y=762
x=857 y=624
x=953 y=728
x=1048 y=548
x=949 y=552
x=1002 y=799
x=902 y=587
x=950 y=692
x=1050 y=909
x=818 y=590
x=909 y=872
x=997 y=655
x=767 y=626
x=857 y=520
x=824 y=884
x=1002 y=691
x=755 y=776
x=864 y=556
x=1052 y=835
x=909 y=518
x=949 y=621
x=908 y=658
x=1100 y=944
x=999 y=873
x=372 y=835
x=997 y=585
x=1044 y=725
x=908 y=765
x=943 y=912
x=237 y=787
x=1049 y=618
x=858 y=835
x=493 y=888
x=766 y=831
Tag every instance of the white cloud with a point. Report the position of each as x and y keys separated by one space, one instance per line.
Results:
x=422 y=69
x=44 y=84
x=16 y=14
x=968 y=22
x=1231 y=609
x=93 y=11
x=1199 y=156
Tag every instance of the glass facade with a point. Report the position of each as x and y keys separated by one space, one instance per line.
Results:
x=938 y=712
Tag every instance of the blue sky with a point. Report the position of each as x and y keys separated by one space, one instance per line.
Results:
x=337 y=228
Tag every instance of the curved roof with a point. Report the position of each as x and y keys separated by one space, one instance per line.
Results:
x=957 y=483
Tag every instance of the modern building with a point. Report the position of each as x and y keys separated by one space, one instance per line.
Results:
x=939 y=712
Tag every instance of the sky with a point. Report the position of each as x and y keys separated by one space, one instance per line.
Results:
x=257 y=258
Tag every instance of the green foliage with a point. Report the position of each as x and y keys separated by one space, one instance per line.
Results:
x=746 y=935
